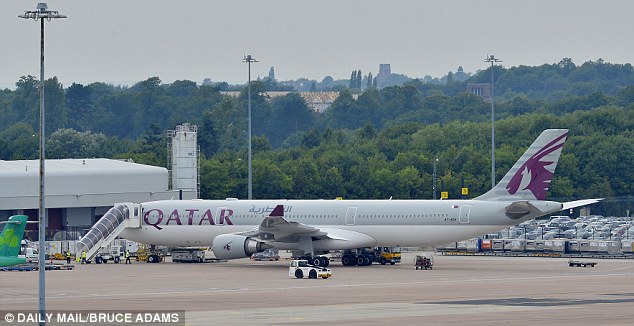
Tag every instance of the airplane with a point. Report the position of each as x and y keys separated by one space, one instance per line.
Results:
x=311 y=228
x=10 y=240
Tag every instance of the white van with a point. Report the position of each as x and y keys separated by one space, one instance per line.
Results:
x=30 y=254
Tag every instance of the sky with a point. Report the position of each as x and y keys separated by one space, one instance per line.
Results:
x=122 y=42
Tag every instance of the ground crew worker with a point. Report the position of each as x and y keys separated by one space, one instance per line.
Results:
x=127 y=257
x=83 y=257
x=68 y=257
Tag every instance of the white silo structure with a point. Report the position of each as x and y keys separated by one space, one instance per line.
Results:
x=184 y=157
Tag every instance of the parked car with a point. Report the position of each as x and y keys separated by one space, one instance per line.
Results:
x=268 y=254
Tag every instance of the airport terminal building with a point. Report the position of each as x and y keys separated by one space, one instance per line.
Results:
x=79 y=191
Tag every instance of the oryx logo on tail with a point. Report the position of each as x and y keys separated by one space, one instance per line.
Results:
x=536 y=173
x=531 y=175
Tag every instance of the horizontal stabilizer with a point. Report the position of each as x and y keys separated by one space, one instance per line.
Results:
x=579 y=203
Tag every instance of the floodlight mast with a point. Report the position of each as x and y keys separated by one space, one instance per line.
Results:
x=249 y=59
x=42 y=13
x=492 y=59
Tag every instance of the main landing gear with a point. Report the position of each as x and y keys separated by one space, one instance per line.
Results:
x=320 y=261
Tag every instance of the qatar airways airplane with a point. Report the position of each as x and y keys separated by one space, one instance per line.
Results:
x=238 y=228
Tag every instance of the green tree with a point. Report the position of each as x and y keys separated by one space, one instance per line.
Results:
x=215 y=180
x=55 y=101
x=230 y=124
x=79 y=106
x=26 y=102
x=269 y=181
x=19 y=142
x=353 y=82
x=7 y=116
x=289 y=114
x=69 y=143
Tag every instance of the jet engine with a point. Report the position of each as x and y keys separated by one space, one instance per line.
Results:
x=231 y=246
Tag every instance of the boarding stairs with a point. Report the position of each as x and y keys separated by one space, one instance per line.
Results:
x=101 y=235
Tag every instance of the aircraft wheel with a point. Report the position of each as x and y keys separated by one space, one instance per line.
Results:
x=312 y=274
x=360 y=260
x=299 y=273
x=324 y=261
x=346 y=260
x=316 y=261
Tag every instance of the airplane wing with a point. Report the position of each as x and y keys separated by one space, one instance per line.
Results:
x=276 y=231
x=578 y=203
x=275 y=227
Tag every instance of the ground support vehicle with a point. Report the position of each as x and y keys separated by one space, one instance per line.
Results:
x=424 y=262
x=112 y=253
x=579 y=263
x=367 y=256
x=301 y=268
x=384 y=255
x=148 y=255
x=34 y=267
x=191 y=255
x=357 y=257
x=28 y=251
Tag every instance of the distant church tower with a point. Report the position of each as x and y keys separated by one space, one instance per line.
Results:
x=384 y=72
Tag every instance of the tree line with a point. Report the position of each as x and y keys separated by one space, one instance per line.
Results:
x=380 y=144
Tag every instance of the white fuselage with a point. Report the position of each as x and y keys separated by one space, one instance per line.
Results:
x=387 y=222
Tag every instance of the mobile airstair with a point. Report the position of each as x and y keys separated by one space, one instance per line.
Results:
x=108 y=228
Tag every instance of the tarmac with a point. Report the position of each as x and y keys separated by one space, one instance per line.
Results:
x=459 y=290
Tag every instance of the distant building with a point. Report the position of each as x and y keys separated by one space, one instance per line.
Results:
x=385 y=70
x=460 y=75
x=318 y=101
x=481 y=90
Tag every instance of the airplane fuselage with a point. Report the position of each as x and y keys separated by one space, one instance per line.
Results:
x=384 y=222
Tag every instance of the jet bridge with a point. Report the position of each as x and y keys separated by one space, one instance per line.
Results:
x=108 y=228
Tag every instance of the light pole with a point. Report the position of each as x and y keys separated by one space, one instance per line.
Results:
x=434 y=181
x=42 y=13
x=492 y=59
x=248 y=59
